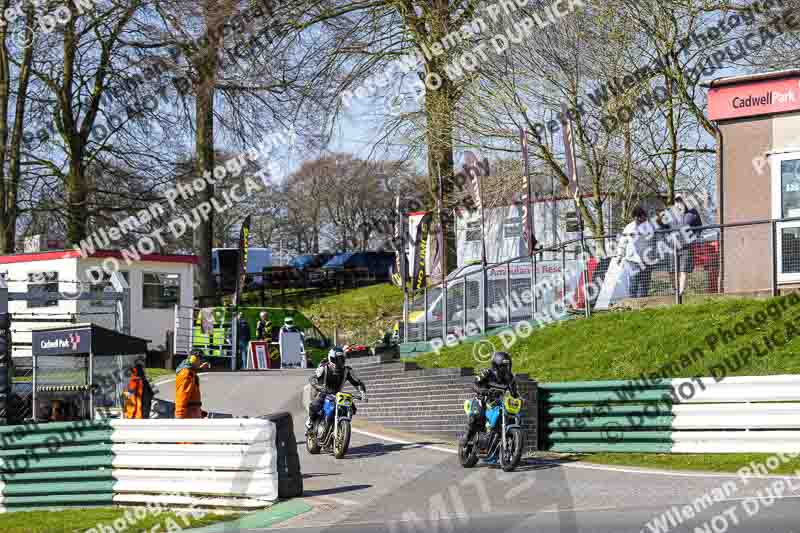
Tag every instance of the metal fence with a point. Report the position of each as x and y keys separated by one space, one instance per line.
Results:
x=665 y=266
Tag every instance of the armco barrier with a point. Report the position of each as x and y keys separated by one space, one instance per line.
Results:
x=405 y=397
x=685 y=415
x=232 y=459
x=228 y=463
x=290 y=477
x=56 y=465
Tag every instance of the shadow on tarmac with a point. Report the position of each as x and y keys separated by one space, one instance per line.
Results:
x=322 y=474
x=334 y=490
x=377 y=449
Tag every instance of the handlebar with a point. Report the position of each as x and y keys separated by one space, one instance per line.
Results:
x=359 y=397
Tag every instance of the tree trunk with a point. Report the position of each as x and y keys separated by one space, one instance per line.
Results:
x=9 y=230
x=674 y=145
x=204 y=146
x=5 y=82
x=439 y=109
x=204 y=140
x=77 y=197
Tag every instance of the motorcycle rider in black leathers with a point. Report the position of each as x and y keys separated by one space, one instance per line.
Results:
x=330 y=378
x=490 y=384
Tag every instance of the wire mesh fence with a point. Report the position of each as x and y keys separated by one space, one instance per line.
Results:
x=20 y=404
x=663 y=266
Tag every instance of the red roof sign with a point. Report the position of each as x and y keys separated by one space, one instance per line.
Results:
x=67 y=254
x=763 y=97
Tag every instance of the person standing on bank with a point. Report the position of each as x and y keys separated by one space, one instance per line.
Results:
x=243 y=338
x=686 y=216
x=633 y=248
x=264 y=327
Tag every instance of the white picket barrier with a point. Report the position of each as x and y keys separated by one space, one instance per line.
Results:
x=737 y=416
x=229 y=462
x=739 y=389
x=735 y=442
x=741 y=414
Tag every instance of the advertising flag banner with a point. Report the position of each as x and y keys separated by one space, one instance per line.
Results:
x=527 y=199
x=420 y=251
x=241 y=269
x=476 y=170
x=569 y=151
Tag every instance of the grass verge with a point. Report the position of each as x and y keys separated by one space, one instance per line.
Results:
x=154 y=374
x=712 y=462
x=361 y=315
x=620 y=345
x=74 y=520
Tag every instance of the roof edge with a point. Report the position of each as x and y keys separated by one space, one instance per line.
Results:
x=747 y=78
x=49 y=255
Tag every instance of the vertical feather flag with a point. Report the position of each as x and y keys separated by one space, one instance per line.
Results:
x=474 y=169
x=398 y=277
x=527 y=198
x=437 y=263
x=572 y=167
x=420 y=251
x=241 y=268
x=569 y=152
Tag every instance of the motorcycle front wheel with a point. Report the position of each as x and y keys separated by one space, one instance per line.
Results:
x=312 y=444
x=468 y=453
x=343 y=441
x=515 y=442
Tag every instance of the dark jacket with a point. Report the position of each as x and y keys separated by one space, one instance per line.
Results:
x=264 y=330
x=692 y=218
x=243 y=331
x=326 y=380
x=488 y=380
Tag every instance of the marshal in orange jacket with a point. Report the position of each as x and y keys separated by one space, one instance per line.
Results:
x=140 y=395
x=187 y=389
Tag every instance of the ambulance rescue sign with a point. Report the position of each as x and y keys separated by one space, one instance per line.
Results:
x=755 y=98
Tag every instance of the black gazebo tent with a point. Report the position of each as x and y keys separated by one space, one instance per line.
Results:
x=81 y=340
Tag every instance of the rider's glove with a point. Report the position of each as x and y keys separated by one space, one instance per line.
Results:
x=364 y=396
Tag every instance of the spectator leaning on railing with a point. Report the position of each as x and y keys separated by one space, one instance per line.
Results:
x=683 y=217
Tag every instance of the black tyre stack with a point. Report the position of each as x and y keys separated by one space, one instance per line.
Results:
x=5 y=367
x=290 y=479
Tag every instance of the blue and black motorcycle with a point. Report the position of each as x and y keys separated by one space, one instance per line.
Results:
x=332 y=431
x=502 y=437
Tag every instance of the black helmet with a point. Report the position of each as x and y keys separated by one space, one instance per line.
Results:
x=336 y=357
x=501 y=364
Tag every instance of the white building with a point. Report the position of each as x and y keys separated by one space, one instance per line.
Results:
x=157 y=283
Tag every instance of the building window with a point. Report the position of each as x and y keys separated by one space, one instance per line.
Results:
x=790 y=185
x=573 y=222
x=97 y=288
x=512 y=227
x=43 y=289
x=160 y=291
x=473 y=231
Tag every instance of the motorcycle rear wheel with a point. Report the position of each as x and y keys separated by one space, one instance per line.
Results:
x=343 y=442
x=468 y=453
x=510 y=457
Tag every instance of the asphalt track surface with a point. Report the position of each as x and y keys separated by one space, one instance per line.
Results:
x=407 y=487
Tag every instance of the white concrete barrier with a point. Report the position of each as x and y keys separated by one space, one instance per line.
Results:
x=221 y=460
